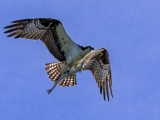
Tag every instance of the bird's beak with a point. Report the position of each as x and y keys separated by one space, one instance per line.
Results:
x=92 y=48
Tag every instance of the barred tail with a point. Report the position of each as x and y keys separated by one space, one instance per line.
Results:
x=53 y=70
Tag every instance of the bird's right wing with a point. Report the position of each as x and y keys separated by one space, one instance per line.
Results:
x=98 y=63
x=50 y=31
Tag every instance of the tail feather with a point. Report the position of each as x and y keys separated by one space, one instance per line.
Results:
x=53 y=70
x=70 y=80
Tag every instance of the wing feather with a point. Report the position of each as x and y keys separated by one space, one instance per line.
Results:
x=49 y=31
x=98 y=63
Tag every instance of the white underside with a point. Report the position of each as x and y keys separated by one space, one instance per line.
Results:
x=73 y=53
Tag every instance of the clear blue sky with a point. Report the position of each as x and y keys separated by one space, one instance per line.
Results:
x=128 y=29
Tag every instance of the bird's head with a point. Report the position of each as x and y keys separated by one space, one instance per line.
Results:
x=90 y=47
x=86 y=49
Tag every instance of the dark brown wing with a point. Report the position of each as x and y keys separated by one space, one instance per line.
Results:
x=99 y=65
x=39 y=28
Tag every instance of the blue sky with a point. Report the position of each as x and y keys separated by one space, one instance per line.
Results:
x=128 y=29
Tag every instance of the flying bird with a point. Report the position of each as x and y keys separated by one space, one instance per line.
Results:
x=72 y=58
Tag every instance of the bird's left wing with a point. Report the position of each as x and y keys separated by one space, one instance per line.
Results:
x=50 y=31
x=98 y=63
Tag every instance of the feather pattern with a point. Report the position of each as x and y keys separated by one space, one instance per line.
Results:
x=53 y=70
x=99 y=65
x=49 y=31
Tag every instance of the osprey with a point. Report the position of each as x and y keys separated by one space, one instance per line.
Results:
x=71 y=56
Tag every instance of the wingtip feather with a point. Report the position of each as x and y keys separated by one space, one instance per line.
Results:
x=21 y=20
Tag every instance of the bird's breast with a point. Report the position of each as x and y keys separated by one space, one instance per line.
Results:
x=73 y=57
